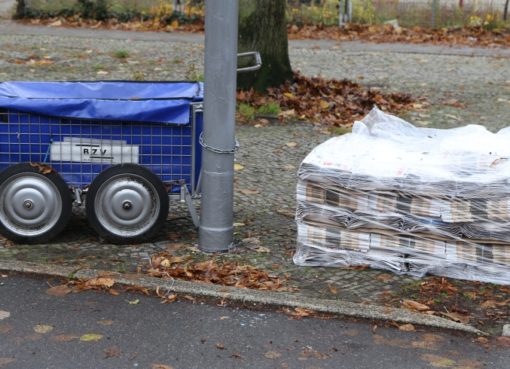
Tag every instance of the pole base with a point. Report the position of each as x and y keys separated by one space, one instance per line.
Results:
x=215 y=239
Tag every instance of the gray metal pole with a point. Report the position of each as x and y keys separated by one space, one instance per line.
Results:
x=217 y=214
x=435 y=7
x=341 y=10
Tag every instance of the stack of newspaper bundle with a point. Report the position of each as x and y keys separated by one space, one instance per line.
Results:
x=407 y=199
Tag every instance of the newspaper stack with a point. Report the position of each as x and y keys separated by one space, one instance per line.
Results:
x=407 y=199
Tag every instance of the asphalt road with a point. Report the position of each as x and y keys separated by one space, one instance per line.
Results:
x=97 y=330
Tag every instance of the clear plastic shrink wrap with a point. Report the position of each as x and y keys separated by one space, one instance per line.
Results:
x=407 y=199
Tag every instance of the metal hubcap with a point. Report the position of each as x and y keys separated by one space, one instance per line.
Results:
x=126 y=205
x=30 y=204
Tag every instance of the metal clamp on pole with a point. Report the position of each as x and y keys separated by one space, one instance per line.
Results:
x=216 y=150
x=252 y=68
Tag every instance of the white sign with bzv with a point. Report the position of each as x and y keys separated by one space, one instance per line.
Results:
x=94 y=151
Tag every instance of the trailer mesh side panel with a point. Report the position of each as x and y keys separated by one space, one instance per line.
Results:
x=80 y=149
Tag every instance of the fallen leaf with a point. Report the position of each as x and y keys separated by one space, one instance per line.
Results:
x=489 y=304
x=272 y=355
x=482 y=340
x=4 y=314
x=299 y=312
x=101 y=282
x=414 y=305
x=249 y=191
x=178 y=259
x=6 y=360
x=332 y=289
x=42 y=168
x=161 y=366
x=168 y=299
x=113 y=292
x=59 y=291
x=287 y=113
x=42 y=328
x=406 y=328
x=384 y=277
x=469 y=364
x=5 y=328
x=238 y=167
x=438 y=361
x=455 y=103
x=456 y=317
x=112 y=351
x=91 y=337
x=133 y=302
x=387 y=341
x=291 y=144
x=220 y=346
x=309 y=352
x=432 y=339
x=503 y=341
x=56 y=23
x=287 y=213
x=262 y=249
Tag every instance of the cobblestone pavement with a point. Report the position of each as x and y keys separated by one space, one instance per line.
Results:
x=265 y=187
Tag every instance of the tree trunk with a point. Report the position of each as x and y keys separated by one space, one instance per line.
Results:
x=505 y=12
x=262 y=28
x=20 y=9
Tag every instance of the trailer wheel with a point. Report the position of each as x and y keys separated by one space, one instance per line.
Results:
x=127 y=204
x=35 y=203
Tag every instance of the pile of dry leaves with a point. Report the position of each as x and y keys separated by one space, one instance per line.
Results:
x=328 y=101
x=480 y=304
x=147 y=25
x=473 y=36
x=166 y=265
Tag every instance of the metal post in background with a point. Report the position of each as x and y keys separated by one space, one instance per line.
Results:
x=217 y=214
x=344 y=12
x=340 y=13
x=177 y=6
x=435 y=7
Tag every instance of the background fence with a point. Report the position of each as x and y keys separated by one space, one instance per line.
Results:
x=426 y=13
x=409 y=13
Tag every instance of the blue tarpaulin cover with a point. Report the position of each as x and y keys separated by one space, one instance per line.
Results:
x=159 y=102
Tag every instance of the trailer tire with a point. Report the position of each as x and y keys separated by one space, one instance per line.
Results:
x=127 y=204
x=35 y=203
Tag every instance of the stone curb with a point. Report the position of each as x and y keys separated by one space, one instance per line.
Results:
x=238 y=295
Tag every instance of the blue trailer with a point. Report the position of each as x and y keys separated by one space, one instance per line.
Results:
x=127 y=147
